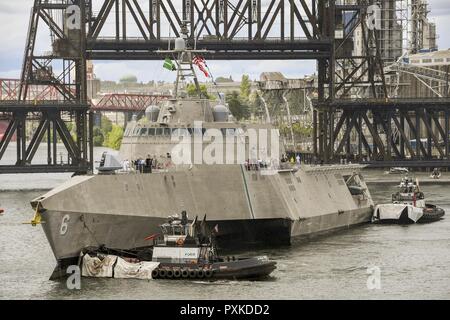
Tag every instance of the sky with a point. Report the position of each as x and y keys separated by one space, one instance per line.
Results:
x=14 y=17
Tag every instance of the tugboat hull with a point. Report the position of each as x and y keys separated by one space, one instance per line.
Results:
x=407 y=214
x=431 y=213
x=249 y=269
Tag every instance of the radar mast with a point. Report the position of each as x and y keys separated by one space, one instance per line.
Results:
x=183 y=57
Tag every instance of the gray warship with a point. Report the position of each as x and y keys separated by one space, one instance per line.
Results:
x=253 y=201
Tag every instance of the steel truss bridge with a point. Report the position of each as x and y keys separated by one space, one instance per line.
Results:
x=390 y=125
x=320 y=30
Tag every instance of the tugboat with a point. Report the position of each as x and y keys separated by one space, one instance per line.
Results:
x=184 y=250
x=398 y=170
x=408 y=206
x=436 y=174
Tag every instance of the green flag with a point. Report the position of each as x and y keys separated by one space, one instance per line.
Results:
x=168 y=64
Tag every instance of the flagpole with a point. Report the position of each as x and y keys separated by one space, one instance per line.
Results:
x=214 y=83
x=195 y=40
x=168 y=43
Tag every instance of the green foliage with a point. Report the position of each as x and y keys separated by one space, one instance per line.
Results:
x=223 y=79
x=275 y=103
x=299 y=130
x=256 y=105
x=192 y=91
x=106 y=125
x=114 y=138
x=102 y=134
x=238 y=107
x=296 y=99
x=128 y=79
x=245 y=86
x=70 y=127
x=98 y=137
x=302 y=131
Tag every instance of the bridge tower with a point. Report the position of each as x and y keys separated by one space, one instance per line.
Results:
x=64 y=69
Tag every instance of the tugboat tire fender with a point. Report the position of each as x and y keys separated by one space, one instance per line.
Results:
x=162 y=273
x=200 y=273
x=176 y=273
x=208 y=273
x=169 y=274
x=155 y=274
x=185 y=273
x=192 y=273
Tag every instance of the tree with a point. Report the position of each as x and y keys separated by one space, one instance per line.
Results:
x=256 y=105
x=128 y=79
x=106 y=125
x=114 y=138
x=101 y=132
x=238 y=108
x=245 y=86
x=98 y=137
x=223 y=80
x=192 y=91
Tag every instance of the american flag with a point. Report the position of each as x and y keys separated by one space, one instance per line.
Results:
x=201 y=64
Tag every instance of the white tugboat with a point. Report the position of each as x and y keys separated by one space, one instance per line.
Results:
x=408 y=206
x=398 y=170
x=436 y=174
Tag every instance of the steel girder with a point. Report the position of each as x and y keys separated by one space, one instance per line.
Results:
x=127 y=102
x=389 y=130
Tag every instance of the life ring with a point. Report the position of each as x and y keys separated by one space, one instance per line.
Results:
x=180 y=241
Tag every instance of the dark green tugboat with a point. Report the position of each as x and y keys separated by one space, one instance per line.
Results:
x=185 y=250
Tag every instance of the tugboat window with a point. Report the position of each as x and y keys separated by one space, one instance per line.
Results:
x=151 y=131
x=167 y=131
x=143 y=131
x=159 y=131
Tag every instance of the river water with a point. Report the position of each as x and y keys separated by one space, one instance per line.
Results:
x=413 y=260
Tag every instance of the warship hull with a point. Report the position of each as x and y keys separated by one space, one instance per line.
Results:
x=248 y=207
